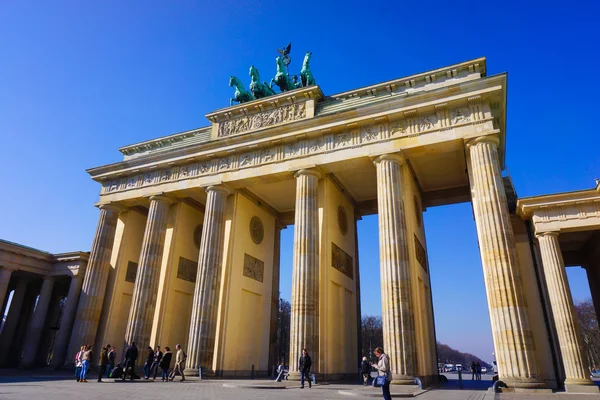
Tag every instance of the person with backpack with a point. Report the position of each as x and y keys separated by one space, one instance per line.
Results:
x=165 y=364
x=131 y=355
x=103 y=362
x=112 y=356
x=78 y=362
x=365 y=370
x=304 y=365
x=179 y=363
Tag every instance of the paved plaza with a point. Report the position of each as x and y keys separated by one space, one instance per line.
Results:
x=16 y=385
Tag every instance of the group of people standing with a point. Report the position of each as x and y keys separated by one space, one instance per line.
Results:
x=154 y=359
x=475 y=371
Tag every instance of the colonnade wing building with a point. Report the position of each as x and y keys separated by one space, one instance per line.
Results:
x=187 y=246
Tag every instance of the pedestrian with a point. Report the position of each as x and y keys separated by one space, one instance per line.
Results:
x=131 y=355
x=473 y=370
x=180 y=358
x=383 y=369
x=103 y=362
x=165 y=363
x=148 y=362
x=280 y=372
x=304 y=365
x=112 y=356
x=85 y=363
x=478 y=371
x=365 y=370
x=156 y=361
x=78 y=362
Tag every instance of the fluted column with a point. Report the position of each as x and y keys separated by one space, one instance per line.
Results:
x=203 y=324
x=66 y=322
x=567 y=327
x=593 y=275
x=304 y=329
x=93 y=290
x=145 y=291
x=273 y=345
x=513 y=338
x=397 y=316
x=12 y=319
x=5 y=274
x=34 y=333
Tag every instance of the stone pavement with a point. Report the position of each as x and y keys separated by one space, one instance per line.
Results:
x=51 y=385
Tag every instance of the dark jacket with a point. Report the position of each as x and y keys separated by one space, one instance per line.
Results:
x=305 y=363
x=149 y=356
x=365 y=367
x=165 y=363
x=131 y=354
x=112 y=355
x=104 y=356
x=158 y=356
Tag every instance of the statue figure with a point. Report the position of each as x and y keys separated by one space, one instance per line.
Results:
x=259 y=90
x=282 y=79
x=306 y=75
x=241 y=95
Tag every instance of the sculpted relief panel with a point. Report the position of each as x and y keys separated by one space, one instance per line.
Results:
x=411 y=125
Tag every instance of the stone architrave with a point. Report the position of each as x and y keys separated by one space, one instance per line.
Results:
x=12 y=319
x=398 y=325
x=145 y=291
x=36 y=327
x=201 y=342
x=304 y=329
x=5 y=274
x=567 y=327
x=93 y=290
x=66 y=322
x=513 y=338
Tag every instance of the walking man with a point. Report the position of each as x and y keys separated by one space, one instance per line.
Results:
x=103 y=362
x=179 y=363
x=131 y=355
x=156 y=361
x=148 y=363
x=304 y=365
x=365 y=370
x=112 y=356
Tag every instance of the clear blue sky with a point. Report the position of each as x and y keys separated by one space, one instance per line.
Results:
x=79 y=79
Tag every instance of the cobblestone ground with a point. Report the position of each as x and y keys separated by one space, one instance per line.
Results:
x=16 y=385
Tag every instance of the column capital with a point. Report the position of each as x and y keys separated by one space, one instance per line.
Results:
x=112 y=207
x=549 y=233
x=483 y=139
x=219 y=188
x=397 y=157
x=163 y=198
x=312 y=172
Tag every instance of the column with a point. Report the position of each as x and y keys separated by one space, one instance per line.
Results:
x=203 y=324
x=93 y=290
x=593 y=275
x=398 y=325
x=304 y=329
x=145 y=291
x=66 y=321
x=5 y=274
x=38 y=321
x=563 y=311
x=12 y=319
x=513 y=339
x=273 y=345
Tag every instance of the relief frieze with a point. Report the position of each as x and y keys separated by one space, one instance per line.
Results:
x=253 y=268
x=264 y=119
x=341 y=261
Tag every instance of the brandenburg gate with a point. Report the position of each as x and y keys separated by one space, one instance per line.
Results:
x=187 y=244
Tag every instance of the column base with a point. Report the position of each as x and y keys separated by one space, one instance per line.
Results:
x=294 y=376
x=585 y=388
x=523 y=383
x=206 y=373
x=403 y=380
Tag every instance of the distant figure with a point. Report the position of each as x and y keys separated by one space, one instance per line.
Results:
x=280 y=372
x=156 y=362
x=304 y=365
x=85 y=363
x=478 y=371
x=365 y=370
x=165 y=363
x=383 y=368
x=148 y=362
x=103 y=361
x=78 y=362
x=131 y=355
x=473 y=370
x=112 y=356
x=180 y=358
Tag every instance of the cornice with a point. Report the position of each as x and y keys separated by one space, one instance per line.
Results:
x=161 y=141
x=527 y=206
x=394 y=107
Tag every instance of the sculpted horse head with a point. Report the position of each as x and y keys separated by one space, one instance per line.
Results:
x=233 y=81
x=254 y=74
x=307 y=56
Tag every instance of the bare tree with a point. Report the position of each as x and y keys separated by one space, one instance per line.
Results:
x=590 y=332
x=371 y=334
x=283 y=331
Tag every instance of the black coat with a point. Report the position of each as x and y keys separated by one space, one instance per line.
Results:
x=131 y=354
x=158 y=356
x=305 y=363
x=365 y=367
x=150 y=356
x=166 y=360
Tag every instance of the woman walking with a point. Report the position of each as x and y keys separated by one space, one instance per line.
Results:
x=383 y=368
x=165 y=362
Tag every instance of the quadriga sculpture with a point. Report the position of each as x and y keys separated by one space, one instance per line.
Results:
x=241 y=95
x=258 y=89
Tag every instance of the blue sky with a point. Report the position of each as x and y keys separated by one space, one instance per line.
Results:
x=80 y=79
